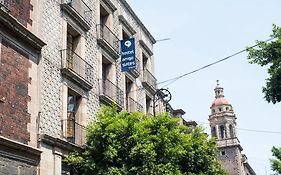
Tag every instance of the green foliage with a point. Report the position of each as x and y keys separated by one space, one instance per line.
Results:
x=135 y=144
x=276 y=163
x=269 y=54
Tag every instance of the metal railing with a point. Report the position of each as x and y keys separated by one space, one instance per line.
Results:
x=133 y=106
x=113 y=92
x=149 y=78
x=73 y=132
x=73 y=62
x=105 y=34
x=81 y=8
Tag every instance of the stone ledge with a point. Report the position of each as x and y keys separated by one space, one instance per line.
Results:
x=146 y=48
x=18 y=151
x=126 y=24
x=63 y=144
x=10 y=24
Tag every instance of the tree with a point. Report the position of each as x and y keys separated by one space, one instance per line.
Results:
x=276 y=163
x=135 y=144
x=269 y=54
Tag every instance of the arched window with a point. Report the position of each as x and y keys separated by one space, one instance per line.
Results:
x=222 y=131
x=214 y=132
x=231 y=131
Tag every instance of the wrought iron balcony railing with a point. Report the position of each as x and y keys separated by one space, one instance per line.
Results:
x=107 y=36
x=76 y=66
x=136 y=72
x=73 y=132
x=133 y=106
x=80 y=7
x=149 y=79
x=111 y=93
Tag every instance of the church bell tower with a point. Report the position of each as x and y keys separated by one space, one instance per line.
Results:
x=223 y=126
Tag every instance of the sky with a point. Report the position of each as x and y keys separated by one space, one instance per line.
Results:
x=203 y=32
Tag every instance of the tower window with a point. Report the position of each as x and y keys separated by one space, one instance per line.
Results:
x=231 y=131
x=220 y=109
x=214 y=132
x=222 y=132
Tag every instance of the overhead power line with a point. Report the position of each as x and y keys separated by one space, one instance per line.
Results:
x=172 y=80
x=246 y=129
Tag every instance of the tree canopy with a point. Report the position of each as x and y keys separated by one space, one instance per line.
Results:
x=269 y=54
x=276 y=163
x=133 y=143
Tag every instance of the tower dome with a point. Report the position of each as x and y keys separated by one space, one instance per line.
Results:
x=220 y=99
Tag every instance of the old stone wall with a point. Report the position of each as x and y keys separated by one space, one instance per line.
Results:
x=14 y=80
x=20 y=9
x=231 y=160
x=13 y=167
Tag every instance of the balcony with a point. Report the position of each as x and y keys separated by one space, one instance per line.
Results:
x=136 y=72
x=149 y=81
x=108 y=40
x=110 y=93
x=76 y=69
x=73 y=132
x=133 y=106
x=78 y=11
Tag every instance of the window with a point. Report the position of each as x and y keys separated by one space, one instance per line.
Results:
x=104 y=16
x=222 y=131
x=73 y=103
x=73 y=50
x=106 y=70
x=129 y=94
x=125 y=35
x=231 y=131
x=144 y=62
x=148 y=105
x=214 y=132
x=222 y=153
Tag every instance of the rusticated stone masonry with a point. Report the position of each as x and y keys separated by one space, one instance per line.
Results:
x=14 y=81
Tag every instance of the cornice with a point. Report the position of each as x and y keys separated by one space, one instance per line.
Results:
x=130 y=10
x=11 y=25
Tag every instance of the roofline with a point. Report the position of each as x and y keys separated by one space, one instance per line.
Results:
x=128 y=7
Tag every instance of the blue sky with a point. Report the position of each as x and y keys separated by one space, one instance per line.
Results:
x=202 y=32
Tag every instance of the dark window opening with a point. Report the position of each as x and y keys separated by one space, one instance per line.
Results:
x=222 y=132
x=104 y=16
x=214 y=132
x=231 y=131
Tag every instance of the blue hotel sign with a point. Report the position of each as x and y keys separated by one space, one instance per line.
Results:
x=128 y=60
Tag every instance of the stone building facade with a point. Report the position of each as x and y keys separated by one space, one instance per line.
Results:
x=223 y=126
x=59 y=63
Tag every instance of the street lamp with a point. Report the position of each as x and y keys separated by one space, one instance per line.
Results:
x=162 y=94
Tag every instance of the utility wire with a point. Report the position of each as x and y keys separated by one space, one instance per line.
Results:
x=172 y=80
x=246 y=129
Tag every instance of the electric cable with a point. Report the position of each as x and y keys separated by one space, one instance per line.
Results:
x=172 y=80
x=246 y=129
